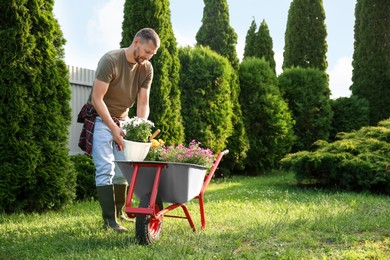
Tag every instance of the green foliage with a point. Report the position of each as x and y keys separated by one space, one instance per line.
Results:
x=259 y=45
x=238 y=142
x=359 y=161
x=138 y=129
x=216 y=31
x=165 y=94
x=206 y=97
x=264 y=46
x=307 y=94
x=266 y=115
x=371 y=58
x=348 y=114
x=86 y=184
x=35 y=169
x=250 y=41
x=305 y=36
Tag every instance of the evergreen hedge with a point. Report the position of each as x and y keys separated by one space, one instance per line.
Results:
x=359 y=161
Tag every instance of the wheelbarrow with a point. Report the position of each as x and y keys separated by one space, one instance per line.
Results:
x=155 y=183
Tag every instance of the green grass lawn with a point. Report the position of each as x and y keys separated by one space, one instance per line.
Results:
x=266 y=217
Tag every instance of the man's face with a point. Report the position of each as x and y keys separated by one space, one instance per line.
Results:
x=144 y=51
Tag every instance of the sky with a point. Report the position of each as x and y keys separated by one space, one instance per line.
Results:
x=93 y=27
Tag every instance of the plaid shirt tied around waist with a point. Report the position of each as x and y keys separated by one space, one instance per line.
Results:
x=87 y=116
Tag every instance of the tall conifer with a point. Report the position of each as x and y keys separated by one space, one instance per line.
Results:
x=305 y=37
x=371 y=58
x=250 y=41
x=264 y=45
x=216 y=33
x=35 y=169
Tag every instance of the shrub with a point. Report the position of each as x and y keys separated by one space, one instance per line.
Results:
x=358 y=161
x=267 y=119
x=308 y=96
x=86 y=185
x=348 y=114
x=206 y=97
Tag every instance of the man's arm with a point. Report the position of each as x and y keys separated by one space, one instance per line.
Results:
x=99 y=90
x=143 y=109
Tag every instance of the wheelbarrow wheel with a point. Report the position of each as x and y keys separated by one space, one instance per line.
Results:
x=147 y=227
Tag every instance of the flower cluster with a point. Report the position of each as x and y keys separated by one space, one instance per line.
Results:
x=193 y=154
x=155 y=151
x=138 y=129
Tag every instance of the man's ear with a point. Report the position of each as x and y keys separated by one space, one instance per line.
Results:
x=137 y=40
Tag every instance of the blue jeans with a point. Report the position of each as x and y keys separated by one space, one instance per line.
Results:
x=104 y=152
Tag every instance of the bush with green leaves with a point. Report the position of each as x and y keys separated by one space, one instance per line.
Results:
x=267 y=119
x=308 y=96
x=348 y=114
x=206 y=97
x=359 y=161
x=86 y=187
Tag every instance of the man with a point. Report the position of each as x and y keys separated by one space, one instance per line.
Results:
x=121 y=76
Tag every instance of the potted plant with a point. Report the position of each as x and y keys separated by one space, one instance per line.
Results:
x=193 y=154
x=137 y=138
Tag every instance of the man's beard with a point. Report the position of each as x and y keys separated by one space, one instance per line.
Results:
x=137 y=58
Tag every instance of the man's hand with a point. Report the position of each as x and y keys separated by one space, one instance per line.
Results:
x=118 y=134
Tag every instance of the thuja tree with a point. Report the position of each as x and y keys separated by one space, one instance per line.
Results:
x=371 y=58
x=265 y=46
x=206 y=103
x=305 y=36
x=307 y=94
x=266 y=115
x=259 y=44
x=165 y=104
x=35 y=169
x=250 y=41
x=216 y=33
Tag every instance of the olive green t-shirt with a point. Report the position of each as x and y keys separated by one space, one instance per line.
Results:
x=124 y=78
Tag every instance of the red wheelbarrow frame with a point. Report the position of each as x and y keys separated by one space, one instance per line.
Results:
x=132 y=211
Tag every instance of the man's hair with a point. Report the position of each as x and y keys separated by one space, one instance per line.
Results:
x=148 y=34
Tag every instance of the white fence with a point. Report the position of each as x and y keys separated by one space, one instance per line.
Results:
x=81 y=81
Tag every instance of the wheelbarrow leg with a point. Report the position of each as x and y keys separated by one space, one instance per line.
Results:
x=201 y=209
x=188 y=216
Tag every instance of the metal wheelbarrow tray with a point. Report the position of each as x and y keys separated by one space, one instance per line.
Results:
x=156 y=182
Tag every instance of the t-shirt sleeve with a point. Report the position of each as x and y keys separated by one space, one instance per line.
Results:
x=105 y=70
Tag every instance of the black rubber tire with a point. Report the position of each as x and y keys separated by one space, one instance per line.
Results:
x=148 y=229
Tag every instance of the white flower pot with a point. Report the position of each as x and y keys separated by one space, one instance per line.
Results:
x=136 y=151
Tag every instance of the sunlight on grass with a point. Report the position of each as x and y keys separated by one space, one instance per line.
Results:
x=246 y=218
